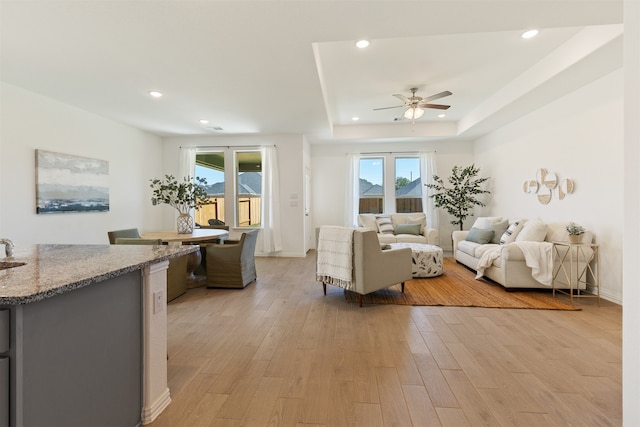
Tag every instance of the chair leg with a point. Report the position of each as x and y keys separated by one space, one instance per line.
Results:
x=360 y=298
x=402 y=287
x=324 y=288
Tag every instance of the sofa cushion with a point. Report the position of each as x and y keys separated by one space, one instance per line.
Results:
x=510 y=235
x=407 y=229
x=485 y=222
x=498 y=230
x=495 y=223
x=368 y=221
x=468 y=247
x=384 y=224
x=479 y=235
x=410 y=218
x=410 y=238
x=387 y=238
x=533 y=231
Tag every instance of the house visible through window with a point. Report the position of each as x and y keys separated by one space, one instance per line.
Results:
x=383 y=189
x=371 y=185
x=240 y=203
x=408 y=185
x=249 y=188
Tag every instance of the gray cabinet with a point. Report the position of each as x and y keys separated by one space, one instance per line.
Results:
x=76 y=358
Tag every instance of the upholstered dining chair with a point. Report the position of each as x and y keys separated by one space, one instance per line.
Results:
x=177 y=271
x=231 y=264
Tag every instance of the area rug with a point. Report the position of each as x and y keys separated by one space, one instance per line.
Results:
x=458 y=287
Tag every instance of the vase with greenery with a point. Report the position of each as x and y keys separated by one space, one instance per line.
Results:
x=183 y=196
x=575 y=232
x=461 y=196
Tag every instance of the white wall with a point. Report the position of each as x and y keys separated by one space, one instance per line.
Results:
x=31 y=121
x=291 y=170
x=330 y=169
x=630 y=315
x=580 y=137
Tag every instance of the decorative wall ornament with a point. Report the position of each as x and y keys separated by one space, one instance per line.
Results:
x=546 y=185
x=66 y=183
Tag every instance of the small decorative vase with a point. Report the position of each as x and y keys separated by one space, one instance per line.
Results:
x=185 y=224
x=575 y=238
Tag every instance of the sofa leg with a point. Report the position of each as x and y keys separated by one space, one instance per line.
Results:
x=324 y=288
x=402 y=287
x=360 y=298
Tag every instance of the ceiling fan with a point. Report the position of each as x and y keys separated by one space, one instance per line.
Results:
x=415 y=104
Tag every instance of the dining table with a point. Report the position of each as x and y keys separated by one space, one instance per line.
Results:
x=196 y=237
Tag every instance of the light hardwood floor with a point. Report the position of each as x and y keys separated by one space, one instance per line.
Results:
x=280 y=353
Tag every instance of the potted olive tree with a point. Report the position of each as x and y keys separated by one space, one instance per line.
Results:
x=183 y=196
x=459 y=199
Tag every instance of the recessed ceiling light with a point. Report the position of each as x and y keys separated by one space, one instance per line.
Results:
x=362 y=43
x=355 y=119
x=442 y=115
x=529 y=34
x=204 y=121
x=155 y=94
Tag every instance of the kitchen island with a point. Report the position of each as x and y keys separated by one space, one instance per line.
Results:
x=83 y=334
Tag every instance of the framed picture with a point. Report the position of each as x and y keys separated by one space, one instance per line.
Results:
x=66 y=183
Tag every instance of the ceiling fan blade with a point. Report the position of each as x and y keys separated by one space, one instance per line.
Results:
x=386 y=108
x=436 y=96
x=436 y=106
x=401 y=97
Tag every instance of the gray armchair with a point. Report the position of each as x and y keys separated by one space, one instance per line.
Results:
x=371 y=267
x=177 y=271
x=231 y=264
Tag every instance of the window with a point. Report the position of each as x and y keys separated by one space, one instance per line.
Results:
x=243 y=198
x=390 y=183
x=408 y=185
x=249 y=188
x=371 y=191
x=211 y=167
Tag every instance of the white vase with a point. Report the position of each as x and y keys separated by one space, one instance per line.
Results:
x=185 y=224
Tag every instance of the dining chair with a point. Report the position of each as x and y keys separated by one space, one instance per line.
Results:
x=177 y=270
x=231 y=264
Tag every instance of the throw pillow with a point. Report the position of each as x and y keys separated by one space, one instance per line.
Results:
x=479 y=235
x=533 y=231
x=485 y=222
x=384 y=224
x=498 y=230
x=511 y=233
x=407 y=229
x=417 y=219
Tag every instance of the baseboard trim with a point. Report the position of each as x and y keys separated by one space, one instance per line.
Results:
x=281 y=254
x=149 y=414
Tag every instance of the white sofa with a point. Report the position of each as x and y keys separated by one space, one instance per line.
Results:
x=510 y=269
x=405 y=228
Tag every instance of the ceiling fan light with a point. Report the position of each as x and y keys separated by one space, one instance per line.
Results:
x=413 y=113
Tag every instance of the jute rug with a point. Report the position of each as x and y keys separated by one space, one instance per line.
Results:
x=458 y=287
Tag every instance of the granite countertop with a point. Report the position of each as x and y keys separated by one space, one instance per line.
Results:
x=56 y=269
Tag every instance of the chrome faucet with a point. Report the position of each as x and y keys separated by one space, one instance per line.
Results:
x=8 y=247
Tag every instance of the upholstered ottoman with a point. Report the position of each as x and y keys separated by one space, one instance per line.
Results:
x=427 y=259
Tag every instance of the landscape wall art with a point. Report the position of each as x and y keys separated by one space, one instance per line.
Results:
x=66 y=183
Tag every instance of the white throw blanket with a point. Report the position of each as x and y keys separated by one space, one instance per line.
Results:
x=538 y=256
x=335 y=256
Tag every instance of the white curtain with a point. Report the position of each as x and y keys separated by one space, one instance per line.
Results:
x=352 y=202
x=427 y=170
x=271 y=234
x=187 y=166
